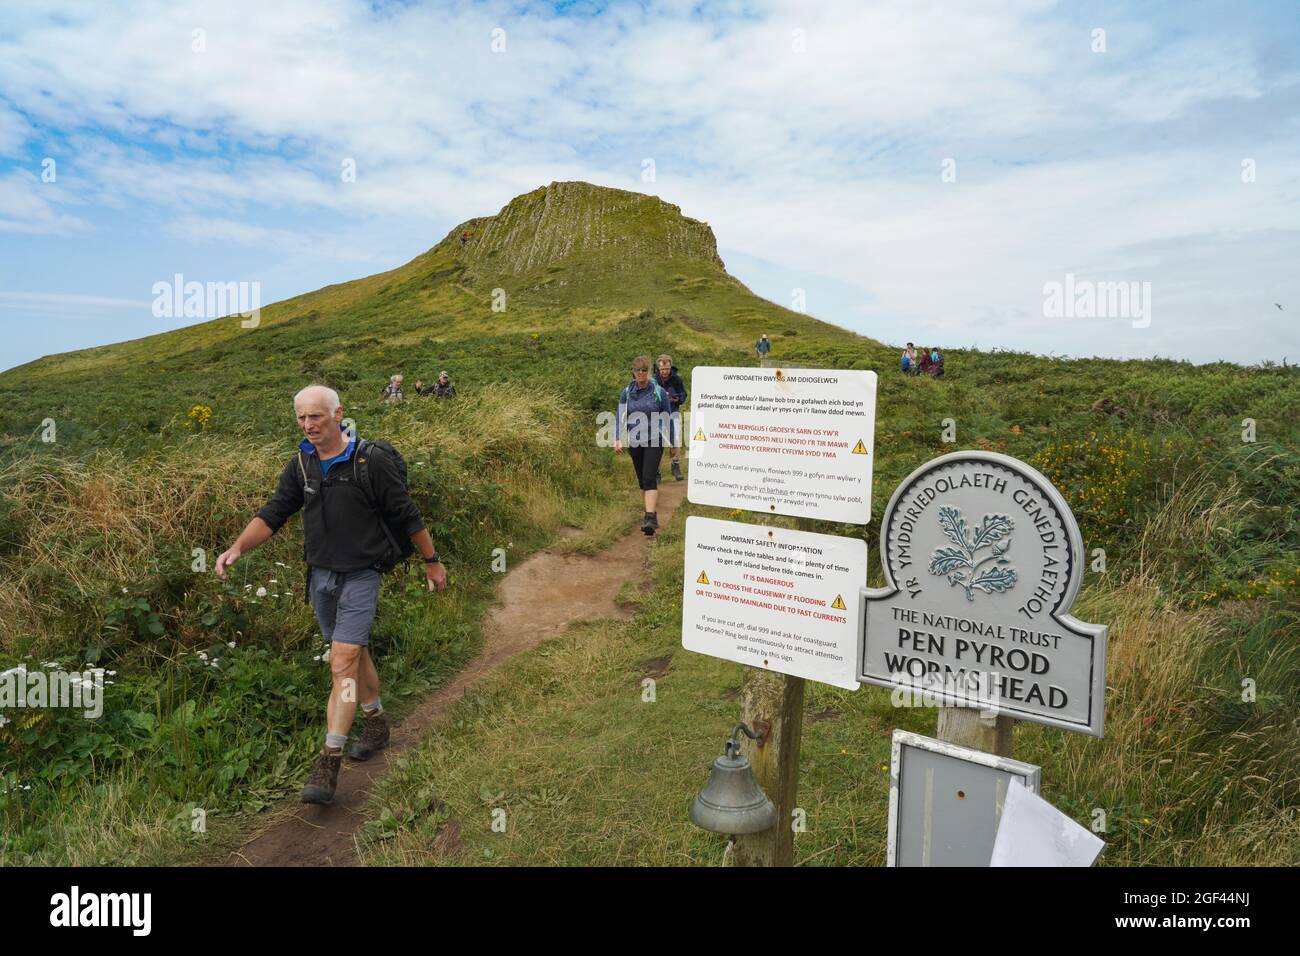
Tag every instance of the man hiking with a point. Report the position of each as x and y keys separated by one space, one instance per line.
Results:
x=354 y=501
x=762 y=347
x=439 y=389
x=672 y=383
x=392 y=392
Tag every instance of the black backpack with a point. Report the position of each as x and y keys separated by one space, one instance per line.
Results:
x=400 y=546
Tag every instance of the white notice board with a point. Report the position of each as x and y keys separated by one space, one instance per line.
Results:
x=783 y=441
x=773 y=598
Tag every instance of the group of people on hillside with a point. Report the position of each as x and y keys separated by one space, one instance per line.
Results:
x=392 y=392
x=929 y=362
x=649 y=415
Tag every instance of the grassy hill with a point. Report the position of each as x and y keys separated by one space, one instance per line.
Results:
x=167 y=444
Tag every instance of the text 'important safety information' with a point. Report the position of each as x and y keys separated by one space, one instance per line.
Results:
x=784 y=441
x=781 y=600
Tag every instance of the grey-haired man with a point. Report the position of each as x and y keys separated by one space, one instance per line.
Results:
x=345 y=540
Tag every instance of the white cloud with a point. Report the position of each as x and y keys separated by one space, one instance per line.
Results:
x=825 y=160
x=27 y=205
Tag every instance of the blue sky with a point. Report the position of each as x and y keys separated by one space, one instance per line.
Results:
x=813 y=138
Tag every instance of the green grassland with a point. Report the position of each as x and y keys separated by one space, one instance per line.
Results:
x=168 y=444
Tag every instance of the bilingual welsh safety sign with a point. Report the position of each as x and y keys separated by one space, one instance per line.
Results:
x=783 y=441
x=780 y=600
x=983 y=559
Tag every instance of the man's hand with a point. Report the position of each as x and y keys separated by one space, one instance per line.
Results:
x=436 y=574
x=618 y=447
x=226 y=559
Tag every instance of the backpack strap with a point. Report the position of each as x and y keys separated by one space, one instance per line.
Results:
x=366 y=483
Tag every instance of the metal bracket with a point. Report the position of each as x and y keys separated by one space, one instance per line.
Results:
x=764 y=728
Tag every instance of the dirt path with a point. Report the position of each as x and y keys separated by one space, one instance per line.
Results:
x=538 y=599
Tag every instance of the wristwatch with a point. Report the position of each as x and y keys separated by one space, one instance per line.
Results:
x=436 y=559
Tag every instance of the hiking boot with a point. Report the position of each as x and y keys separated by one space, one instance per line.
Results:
x=374 y=738
x=646 y=525
x=652 y=521
x=677 y=470
x=324 y=778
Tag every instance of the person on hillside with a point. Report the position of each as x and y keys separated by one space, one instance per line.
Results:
x=909 y=360
x=924 y=367
x=762 y=347
x=392 y=392
x=936 y=363
x=644 y=415
x=439 y=389
x=672 y=383
x=464 y=238
x=352 y=495
x=443 y=387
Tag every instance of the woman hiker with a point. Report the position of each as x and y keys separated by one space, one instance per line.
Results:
x=645 y=416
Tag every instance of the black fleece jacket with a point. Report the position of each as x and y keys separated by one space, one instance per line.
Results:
x=341 y=530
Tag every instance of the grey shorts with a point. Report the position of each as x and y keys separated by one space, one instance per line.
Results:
x=345 y=603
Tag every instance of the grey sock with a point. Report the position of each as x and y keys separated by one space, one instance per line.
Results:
x=335 y=741
x=373 y=709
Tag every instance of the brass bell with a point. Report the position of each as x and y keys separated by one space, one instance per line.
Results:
x=732 y=802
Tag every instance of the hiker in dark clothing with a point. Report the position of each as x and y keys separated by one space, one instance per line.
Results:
x=762 y=347
x=352 y=495
x=668 y=379
x=644 y=415
x=439 y=389
x=936 y=363
x=926 y=362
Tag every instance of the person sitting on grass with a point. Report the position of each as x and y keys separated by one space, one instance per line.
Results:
x=924 y=367
x=909 y=360
x=936 y=362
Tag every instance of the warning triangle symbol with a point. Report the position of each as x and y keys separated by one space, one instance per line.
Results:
x=699 y=435
x=859 y=448
x=839 y=603
x=702 y=579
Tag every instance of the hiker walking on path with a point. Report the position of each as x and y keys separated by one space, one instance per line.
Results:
x=356 y=514
x=762 y=347
x=668 y=379
x=439 y=389
x=392 y=392
x=644 y=415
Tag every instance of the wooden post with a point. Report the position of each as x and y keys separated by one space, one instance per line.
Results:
x=965 y=726
x=775 y=700
x=772 y=704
